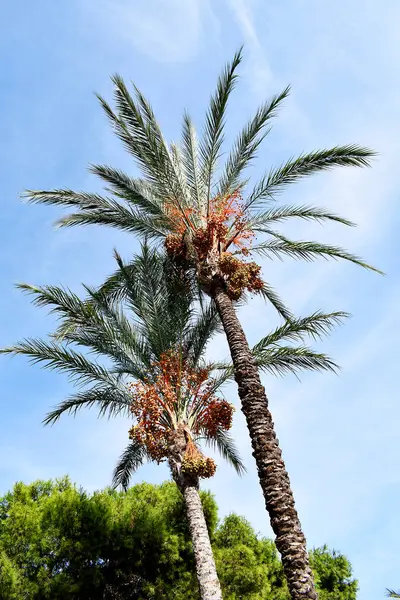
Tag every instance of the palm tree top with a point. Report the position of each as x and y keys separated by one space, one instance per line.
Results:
x=205 y=214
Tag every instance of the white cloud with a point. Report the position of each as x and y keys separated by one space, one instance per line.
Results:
x=260 y=75
x=164 y=30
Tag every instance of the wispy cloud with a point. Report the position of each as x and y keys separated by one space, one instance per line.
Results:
x=163 y=31
x=260 y=73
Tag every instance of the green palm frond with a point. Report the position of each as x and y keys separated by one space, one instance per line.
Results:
x=225 y=445
x=261 y=222
x=98 y=210
x=54 y=356
x=306 y=165
x=157 y=300
x=315 y=326
x=176 y=181
x=392 y=594
x=190 y=159
x=213 y=138
x=280 y=360
x=107 y=331
x=109 y=400
x=308 y=251
x=198 y=334
x=140 y=139
x=130 y=460
x=269 y=295
x=62 y=300
x=135 y=191
x=222 y=372
x=247 y=143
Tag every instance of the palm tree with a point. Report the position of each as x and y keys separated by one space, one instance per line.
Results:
x=392 y=594
x=208 y=224
x=152 y=369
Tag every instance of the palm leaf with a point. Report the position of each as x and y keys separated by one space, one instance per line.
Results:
x=109 y=400
x=305 y=165
x=225 y=445
x=214 y=127
x=79 y=369
x=136 y=191
x=199 y=333
x=287 y=359
x=269 y=294
x=316 y=325
x=308 y=251
x=261 y=221
x=247 y=143
x=130 y=460
x=190 y=159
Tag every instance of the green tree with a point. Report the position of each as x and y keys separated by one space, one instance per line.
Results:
x=333 y=575
x=56 y=541
x=207 y=219
x=10 y=578
x=242 y=558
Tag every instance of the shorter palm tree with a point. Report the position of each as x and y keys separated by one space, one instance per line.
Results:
x=152 y=336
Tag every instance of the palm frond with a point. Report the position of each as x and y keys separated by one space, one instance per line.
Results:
x=156 y=138
x=130 y=460
x=62 y=300
x=287 y=359
x=315 y=326
x=247 y=143
x=214 y=127
x=225 y=445
x=307 y=251
x=138 y=138
x=54 y=356
x=269 y=294
x=305 y=165
x=222 y=373
x=96 y=325
x=261 y=221
x=200 y=332
x=109 y=400
x=135 y=191
x=392 y=594
x=190 y=158
x=99 y=210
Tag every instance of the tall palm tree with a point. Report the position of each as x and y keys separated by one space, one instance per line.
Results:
x=209 y=221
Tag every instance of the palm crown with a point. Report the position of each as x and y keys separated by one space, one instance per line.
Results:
x=151 y=338
x=206 y=217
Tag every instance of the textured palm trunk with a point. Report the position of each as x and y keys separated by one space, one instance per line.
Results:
x=274 y=479
x=206 y=571
x=207 y=577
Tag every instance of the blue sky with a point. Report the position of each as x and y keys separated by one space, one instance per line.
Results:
x=339 y=434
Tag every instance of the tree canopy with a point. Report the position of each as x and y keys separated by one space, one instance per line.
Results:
x=57 y=541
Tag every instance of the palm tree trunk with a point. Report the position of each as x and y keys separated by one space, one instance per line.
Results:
x=209 y=585
x=274 y=479
x=206 y=571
